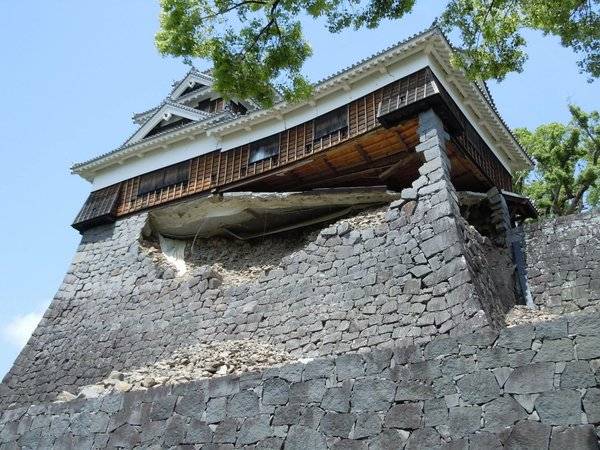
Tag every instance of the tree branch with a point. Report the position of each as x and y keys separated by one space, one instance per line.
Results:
x=231 y=8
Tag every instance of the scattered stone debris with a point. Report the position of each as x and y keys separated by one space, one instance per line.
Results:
x=521 y=314
x=239 y=262
x=193 y=363
x=370 y=217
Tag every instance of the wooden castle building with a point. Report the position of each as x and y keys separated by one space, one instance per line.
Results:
x=359 y=131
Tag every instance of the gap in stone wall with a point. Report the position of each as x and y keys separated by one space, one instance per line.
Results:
x=243 y=261
x=491 y=261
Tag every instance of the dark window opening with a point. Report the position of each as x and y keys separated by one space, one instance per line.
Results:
x=159 y=179
x=238 y=108
x=160 y=128
x=211 y=106
x=193 y=88
x=331 y=122
x=265 y=148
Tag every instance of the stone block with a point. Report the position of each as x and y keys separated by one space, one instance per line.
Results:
x=243 y=404
x=163 y=407
x=372 y=395
x=405 y=416
x=311 y=416
x=435 y=412
x=478 y=387
x=198 y=432
x=388 y=439
x=216 y=409
x=310 y=391
x=580 y=437
x=223 y=386
x=591 y=405
x=423 y=438
x=501 y=413
x=588 y=347
x=464 y=420
x=303 y=438
x=441 y=346
x=367 y=424
x=413 y=391
x=191 y=406
x=534 y=378
x=528 y=435
x=577 y=375
x=555 y=350
x=554 y=329
x=584 y=324
x=336 y=399
x=320 y=368
x=287 y=415
x=559 y=407
x=517 y=338
x=254 y=429
x=349 y=366
x=337 y=424
x=275 y=391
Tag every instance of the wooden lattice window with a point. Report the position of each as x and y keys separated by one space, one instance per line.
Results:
x=159 y=179
x=265 y=148
x=331 y=122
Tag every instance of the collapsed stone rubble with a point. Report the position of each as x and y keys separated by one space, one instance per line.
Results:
x=193 y=363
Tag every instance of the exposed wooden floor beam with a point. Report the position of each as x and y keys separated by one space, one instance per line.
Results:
x=361 y=151
x=394 y=167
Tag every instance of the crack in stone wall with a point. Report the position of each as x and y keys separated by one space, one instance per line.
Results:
x=530 y=386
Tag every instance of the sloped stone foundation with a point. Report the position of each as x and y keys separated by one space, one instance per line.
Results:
x=530 y=386
x=401 y=281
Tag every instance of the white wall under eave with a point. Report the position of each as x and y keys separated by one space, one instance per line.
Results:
x=154 y=159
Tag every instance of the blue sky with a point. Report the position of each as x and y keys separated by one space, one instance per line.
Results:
x=74 y=72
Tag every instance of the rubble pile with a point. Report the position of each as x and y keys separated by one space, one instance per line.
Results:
x=521 y=314
x=193 y=363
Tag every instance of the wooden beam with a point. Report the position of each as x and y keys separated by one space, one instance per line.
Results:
x=401 y=140
x=253 y=178
x=305 y=223
x=361 y=151
x=330 y=166
x=394 y=167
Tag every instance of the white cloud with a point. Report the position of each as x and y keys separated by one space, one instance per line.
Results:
x=18 y=330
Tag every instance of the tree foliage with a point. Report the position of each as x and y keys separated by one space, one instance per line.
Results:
x=257 y=47
x=566 y=177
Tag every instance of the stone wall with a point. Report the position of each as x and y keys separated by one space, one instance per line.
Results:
x=351 y=289
x=531 y=386
x=563 y=262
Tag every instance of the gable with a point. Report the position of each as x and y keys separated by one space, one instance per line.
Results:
x=167 y=117
x=193 y=81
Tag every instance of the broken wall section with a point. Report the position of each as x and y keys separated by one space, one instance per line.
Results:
x=351 y=289
x=563 y=262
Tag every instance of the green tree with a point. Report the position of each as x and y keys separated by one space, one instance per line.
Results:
x=566 y=177
x=257 y=47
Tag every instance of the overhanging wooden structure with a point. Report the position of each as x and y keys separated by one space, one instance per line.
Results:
x=375 y=147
